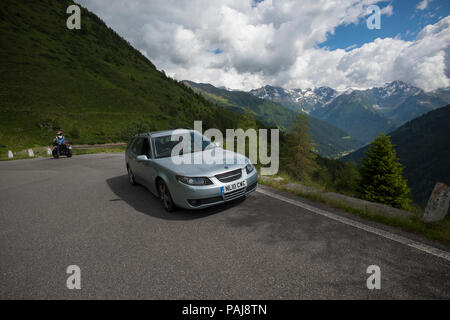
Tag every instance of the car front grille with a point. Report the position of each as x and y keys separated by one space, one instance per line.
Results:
x=234 y=194
x=240 y=192
x=230 y=176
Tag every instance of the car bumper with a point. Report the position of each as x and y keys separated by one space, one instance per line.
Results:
x=191 y=197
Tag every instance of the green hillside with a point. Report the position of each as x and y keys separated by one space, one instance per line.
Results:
x=423 y=147
x=89 y=82
x=242 y=102
x=355 y=114
x=416 y=106
x=330 y=140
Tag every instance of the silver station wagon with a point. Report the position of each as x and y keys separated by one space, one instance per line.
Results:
x=184 y=179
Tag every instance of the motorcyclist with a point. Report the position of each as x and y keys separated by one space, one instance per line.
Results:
x=59 y=140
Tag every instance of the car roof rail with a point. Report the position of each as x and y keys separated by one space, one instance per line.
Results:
x=142 y=134
x=177 y=128
x=152 y=132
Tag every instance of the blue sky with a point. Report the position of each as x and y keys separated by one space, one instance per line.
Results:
x=405 y=23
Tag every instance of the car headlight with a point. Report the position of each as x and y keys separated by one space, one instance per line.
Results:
x=249 y=168
x=194 y=181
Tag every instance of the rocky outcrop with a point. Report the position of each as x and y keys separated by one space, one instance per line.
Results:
x=438 y=203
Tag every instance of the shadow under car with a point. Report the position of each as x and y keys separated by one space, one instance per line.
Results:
x=144 y=201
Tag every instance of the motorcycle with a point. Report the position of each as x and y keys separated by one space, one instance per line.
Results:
x=65 y=149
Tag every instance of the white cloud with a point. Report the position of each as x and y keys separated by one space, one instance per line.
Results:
x=423 y=4
x=424 y=62
x=238 y=44
x=388 y=10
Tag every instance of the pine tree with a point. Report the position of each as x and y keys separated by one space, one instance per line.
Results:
x=300 y=161
x=381 y=175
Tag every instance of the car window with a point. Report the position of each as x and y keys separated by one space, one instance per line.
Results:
x=137 y=146
x=130 y=143
x=164 y=145
x=146 y=148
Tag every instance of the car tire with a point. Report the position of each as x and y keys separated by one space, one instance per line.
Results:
x=165 y=197
x=131 y=178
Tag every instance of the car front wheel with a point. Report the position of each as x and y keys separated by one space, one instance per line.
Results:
x=166 y=198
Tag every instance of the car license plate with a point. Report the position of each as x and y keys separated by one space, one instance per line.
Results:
x=234 y=186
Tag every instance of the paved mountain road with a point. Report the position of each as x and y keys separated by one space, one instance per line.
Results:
x=82 y=211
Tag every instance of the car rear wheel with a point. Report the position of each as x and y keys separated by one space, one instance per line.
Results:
x=131 y=178
x=166 y=198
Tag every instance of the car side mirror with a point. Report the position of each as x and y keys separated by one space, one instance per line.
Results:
x=142 y=157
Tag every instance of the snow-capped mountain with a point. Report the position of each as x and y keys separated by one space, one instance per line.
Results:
x=361 y=112
x=395 y=88
x=388 y=96
x=297 y=99
x=393 y=94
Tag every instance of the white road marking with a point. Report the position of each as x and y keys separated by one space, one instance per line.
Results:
x=382 y=233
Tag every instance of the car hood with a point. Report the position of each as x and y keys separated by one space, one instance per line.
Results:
x=230 y=161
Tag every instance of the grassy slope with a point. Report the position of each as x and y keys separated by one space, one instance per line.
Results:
x=331 y=141
x=89 y=82
x=423 y=147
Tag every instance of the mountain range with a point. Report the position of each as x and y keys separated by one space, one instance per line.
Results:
x=362 y=113
x=423 y=147
x=330 y=140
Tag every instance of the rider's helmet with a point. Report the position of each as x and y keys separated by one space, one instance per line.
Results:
x=59 y=134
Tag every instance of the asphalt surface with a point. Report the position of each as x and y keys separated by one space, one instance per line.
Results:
x=82 y=211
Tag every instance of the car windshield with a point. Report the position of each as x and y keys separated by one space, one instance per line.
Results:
x=165 y=144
